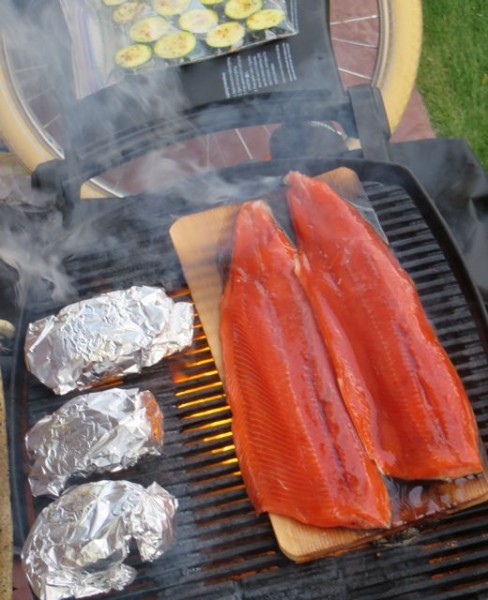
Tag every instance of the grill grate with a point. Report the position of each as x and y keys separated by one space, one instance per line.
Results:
x=223 y=550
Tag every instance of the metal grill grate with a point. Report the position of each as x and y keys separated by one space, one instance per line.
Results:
x=223 y=550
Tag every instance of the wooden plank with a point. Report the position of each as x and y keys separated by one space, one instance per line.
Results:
x=200 y=241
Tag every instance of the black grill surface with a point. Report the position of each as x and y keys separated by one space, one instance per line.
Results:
x=223 y=550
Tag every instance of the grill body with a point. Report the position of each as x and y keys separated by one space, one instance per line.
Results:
x=223 y=549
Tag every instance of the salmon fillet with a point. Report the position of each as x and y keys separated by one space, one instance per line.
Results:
x=402 y=392
x=298 y=451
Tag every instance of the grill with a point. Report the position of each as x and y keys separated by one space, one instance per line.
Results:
x=223 y=550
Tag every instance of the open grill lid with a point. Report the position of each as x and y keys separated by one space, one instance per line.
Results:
x=223 y=550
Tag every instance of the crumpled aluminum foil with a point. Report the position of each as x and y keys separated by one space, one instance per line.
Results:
x=78 y=543
x=93 y=433
x=114 y=334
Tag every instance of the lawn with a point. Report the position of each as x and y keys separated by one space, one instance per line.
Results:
x=453 y=75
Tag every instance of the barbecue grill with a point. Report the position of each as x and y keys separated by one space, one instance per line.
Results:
x=223 y=549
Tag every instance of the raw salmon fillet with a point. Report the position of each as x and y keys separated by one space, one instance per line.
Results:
x=298 y=451
x=403 y=393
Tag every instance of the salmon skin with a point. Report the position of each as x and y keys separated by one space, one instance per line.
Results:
x=298 y=451
x=403 y=393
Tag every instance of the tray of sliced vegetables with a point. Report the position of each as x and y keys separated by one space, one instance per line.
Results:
x=134 y=35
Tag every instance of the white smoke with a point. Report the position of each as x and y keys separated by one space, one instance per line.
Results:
x=34 y=240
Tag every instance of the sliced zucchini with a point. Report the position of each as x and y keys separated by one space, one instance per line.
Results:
x=242 y=9
x=211 y=2
x=148 y=30
x=170 y=8
x=265 y=19
x=127 y=11
x=175 y=45
x=112 y=2
x=133 y=56
x=200 y=20
x=225 y=35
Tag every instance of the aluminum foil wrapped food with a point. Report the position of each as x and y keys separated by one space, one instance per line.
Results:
x=114 y=334
x=78 y=544
x=93 y=433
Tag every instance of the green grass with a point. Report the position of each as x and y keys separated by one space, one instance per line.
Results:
x=453 y=75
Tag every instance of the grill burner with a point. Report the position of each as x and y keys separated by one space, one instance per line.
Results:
x=223 y=550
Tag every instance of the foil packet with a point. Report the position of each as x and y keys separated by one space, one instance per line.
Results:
x=115 y=334
x=94 y=433
x=78 y=544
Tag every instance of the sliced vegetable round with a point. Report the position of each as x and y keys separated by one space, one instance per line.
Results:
x=265 y=19
x=200 y=20
x=170 y=8
x=113 y=2
x=175 y=45
x=211 y=2
x=127 y=11
x=225 y=35
x=148 y=30
x=133 y=56
x=242 y=9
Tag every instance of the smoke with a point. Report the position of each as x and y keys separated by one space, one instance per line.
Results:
x=33 y=258
x=34 y=244
x=38 y=246
x=125 y=136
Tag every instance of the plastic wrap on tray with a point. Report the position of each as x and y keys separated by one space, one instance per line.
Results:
x=78 y=544
x=94 y=433
x=110 y=38
x=112 y=335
